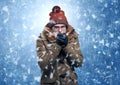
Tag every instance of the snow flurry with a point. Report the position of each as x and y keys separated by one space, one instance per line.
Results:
x=96 y=21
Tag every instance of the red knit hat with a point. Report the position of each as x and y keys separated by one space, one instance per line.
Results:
x=57 y=16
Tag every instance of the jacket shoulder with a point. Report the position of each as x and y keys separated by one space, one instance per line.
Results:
x=71 y=32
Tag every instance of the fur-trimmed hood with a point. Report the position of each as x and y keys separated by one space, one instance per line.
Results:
x=47 y=34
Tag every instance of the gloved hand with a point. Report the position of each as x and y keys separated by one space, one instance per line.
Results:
x=62 y=40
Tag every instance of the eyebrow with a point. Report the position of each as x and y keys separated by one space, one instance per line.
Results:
x=59 y=26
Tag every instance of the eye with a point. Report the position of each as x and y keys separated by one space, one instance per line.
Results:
x=62 y=26
x=56 y=27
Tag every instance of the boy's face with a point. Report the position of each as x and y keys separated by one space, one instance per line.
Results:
x=59 y=28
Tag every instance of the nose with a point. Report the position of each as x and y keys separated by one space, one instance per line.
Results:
x=60 y=30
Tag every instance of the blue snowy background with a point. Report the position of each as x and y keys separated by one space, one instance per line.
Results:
x=96 y=21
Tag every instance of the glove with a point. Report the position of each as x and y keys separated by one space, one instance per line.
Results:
x=62 y=40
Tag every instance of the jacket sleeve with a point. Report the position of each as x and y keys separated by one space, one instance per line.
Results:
x=47 y=53
x=75 y=57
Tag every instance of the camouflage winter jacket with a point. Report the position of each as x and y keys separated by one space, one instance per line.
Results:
x=57 y=64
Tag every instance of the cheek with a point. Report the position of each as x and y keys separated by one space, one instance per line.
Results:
x=64 y=30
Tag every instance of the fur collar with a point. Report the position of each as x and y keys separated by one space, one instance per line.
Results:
x=47 y=34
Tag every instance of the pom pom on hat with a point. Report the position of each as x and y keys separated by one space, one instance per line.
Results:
x=57 y=16
x=56 y=9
